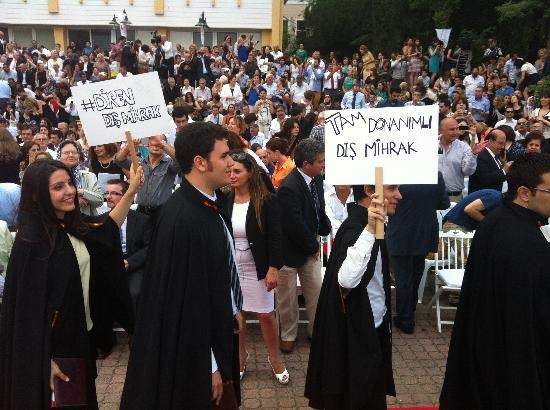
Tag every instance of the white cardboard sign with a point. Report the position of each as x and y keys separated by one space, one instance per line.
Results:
x=109 y=108
x=403 y=140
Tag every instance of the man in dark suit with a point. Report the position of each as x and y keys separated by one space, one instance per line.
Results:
x=135 y=234
x=491 y=169
x=25 y=77
x=413 y=232
x=302 y=204
x=202 y=66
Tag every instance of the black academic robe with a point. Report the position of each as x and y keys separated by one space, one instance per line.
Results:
x=346 y=358
x=185 y=309
x=37 y=285
x=499 y=356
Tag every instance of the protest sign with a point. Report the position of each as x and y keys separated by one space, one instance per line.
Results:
x=107 y=109
x=402 y=140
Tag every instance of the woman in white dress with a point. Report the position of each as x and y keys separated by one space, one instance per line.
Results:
x=258 y=246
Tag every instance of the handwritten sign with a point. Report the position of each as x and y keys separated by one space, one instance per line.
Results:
x=403 y=140
x=109 y=108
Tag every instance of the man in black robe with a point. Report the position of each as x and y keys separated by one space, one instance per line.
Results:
x=350 y=357
x=183 y=346
x=499 y=356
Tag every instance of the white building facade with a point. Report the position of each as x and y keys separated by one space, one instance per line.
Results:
x=63 y=21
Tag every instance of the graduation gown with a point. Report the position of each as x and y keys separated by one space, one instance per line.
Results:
x=499 y=356
x=185 y=309
x=347 y=359
x=37 y=285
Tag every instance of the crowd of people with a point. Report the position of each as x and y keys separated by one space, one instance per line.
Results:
x=229 y=210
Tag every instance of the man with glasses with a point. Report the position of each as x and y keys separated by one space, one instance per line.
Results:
x=135 y=235
x=521 y=129
x=508 y=119
x=502 y=325
x=43 y=142
x=202 y=92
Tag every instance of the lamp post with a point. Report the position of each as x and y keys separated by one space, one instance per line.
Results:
x=202 y=25
x=122 y=22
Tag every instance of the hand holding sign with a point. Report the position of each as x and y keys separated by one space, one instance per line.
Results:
x=377 y=213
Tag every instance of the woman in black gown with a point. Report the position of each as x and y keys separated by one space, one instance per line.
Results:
x=65 y=281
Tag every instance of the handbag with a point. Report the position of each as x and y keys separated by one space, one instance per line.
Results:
x=229 y=399
x=73 y=392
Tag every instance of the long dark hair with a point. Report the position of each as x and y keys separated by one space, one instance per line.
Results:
x=256 y=186
x=36 y=210
x=9 y=149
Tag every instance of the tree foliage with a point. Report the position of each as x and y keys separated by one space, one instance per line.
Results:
x=334 y=25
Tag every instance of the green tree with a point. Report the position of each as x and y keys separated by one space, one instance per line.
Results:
x=519 y=25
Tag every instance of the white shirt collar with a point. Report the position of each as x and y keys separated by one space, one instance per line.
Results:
x=307 y=178
x=212 y=198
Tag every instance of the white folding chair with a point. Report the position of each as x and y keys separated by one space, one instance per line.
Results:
x=449 y=269
x=430 y=263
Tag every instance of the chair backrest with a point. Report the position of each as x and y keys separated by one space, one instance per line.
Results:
x=441 y=213
x=453 y=249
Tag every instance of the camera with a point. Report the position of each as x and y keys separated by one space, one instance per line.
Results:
x=155 y=38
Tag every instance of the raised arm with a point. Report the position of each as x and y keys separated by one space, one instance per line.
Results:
x=120 y=211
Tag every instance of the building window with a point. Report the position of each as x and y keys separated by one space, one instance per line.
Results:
x=208 y=38
x=130 y=35
x=22 y=36
x=102 y=39
x=79 y=37
x=222 y=34
x=44 y=36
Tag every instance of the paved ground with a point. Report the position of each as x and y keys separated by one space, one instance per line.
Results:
x=418 y=362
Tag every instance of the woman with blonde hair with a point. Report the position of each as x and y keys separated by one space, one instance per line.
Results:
x=102 y=65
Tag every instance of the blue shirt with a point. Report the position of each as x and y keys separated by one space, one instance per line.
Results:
x=347 y=100
x=507 y=91
x=482 y=104
x=9 y=202
x=5 y=90
x=490 y=198
x=316 y=77
x=243 y=52
x=253 y=96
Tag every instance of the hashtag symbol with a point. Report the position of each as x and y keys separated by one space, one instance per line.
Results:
x=88 y=105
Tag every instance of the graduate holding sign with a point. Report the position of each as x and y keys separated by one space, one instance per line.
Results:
x=350 y=364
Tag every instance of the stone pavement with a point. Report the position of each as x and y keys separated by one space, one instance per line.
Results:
x=418 y=363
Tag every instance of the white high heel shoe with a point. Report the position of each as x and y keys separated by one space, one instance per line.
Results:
x=282 y=378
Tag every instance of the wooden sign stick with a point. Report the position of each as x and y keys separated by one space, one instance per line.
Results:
x=379 y=189
x=131 y=146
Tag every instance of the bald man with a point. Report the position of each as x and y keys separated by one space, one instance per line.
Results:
x=456 y=159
